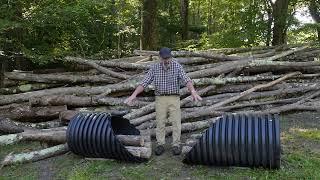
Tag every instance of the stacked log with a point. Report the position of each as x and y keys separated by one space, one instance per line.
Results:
x=280 y=79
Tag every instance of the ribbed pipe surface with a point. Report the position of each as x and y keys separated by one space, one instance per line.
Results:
x=94 y=135
x=239 y=140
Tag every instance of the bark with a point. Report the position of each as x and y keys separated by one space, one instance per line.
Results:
x=9 y=83
x=9 y=126
x=61 y=78
x=25 y=113
x=280 y=15
x=195 y=136
x=245 y=93
x=230 y=66
x=186 y=127
x=184 y=4
x=41 y=136
x=142 y=152
x=269 y=22
x=314 y=9
x=211 y=110
x=220 y=57
x=98 y=67
x=66 y=116
x=115 y=64
x=244 y=105
x=244 y=79
x=200 y=67
x=76 y=90
x=222 y=110
x=149 y=34
x=59 y=136
x=193 y=60
x=35 y=155
x=26 y=88
x=280 y=93
x=76 y=101
x=108 y=109
x=131 y=140
x=146 y=125
x=229 y=51
x=280 y=68
x=297 y=105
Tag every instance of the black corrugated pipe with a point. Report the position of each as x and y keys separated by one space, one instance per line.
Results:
x=94 y=135
x=239 y=140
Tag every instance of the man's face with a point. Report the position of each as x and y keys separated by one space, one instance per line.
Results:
x=166 y=60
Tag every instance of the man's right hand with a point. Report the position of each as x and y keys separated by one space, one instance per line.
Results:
x=129 y=100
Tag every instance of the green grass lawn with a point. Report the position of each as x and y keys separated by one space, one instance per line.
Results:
x=300 y=160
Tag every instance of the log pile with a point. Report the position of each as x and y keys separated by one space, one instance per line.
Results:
x=278 y=79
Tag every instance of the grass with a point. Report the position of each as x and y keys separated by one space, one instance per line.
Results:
x=310 y=134
x=300 y=160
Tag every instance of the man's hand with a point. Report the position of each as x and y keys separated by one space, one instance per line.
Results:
x=195 y=96
x=129 y=100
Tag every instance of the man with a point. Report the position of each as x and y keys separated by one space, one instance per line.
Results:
x=167 y=76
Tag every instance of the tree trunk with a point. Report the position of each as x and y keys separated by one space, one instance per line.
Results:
x=184 y=4
x=314 y=9
x=9 y=126
x=268 y=8
x=149 y=30
x=220 y=57
x=280 y=14
x=35 y=155
x=230 y=66
x=27 y=87
x=76 y=90
x=99 y=68
x=25 y=113
x=186 y=127
x=59 y=78
x=76 y=101
x=52 y=136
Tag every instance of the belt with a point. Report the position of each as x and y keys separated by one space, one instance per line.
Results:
x=168 y=95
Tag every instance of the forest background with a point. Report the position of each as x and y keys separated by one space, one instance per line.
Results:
x=46 y=30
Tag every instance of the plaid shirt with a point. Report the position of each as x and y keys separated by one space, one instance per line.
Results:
x=167 y=80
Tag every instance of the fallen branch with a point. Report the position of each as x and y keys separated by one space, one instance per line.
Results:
x=98 y=67
x=25 y=113
x=35 y=155
x=61 y=78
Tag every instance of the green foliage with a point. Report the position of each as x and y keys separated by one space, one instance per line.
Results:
x=49 y=29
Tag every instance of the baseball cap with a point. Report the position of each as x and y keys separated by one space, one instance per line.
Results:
x=165 y=53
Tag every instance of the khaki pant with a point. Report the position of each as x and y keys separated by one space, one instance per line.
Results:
x=168 y=108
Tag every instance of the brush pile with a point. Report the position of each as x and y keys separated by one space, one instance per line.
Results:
x=38 y=105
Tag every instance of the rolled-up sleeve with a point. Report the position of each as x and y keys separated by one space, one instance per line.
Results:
x=183 y=76
x=148 y=78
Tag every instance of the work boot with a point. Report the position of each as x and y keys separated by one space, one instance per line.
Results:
x=159 y=150
x=176 y=150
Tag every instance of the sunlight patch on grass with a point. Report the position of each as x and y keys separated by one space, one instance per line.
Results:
x=310 y=134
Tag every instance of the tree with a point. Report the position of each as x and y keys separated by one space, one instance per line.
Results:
x=314 y=8
x=149 y=27
x=184 y=4
x=280 y=15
